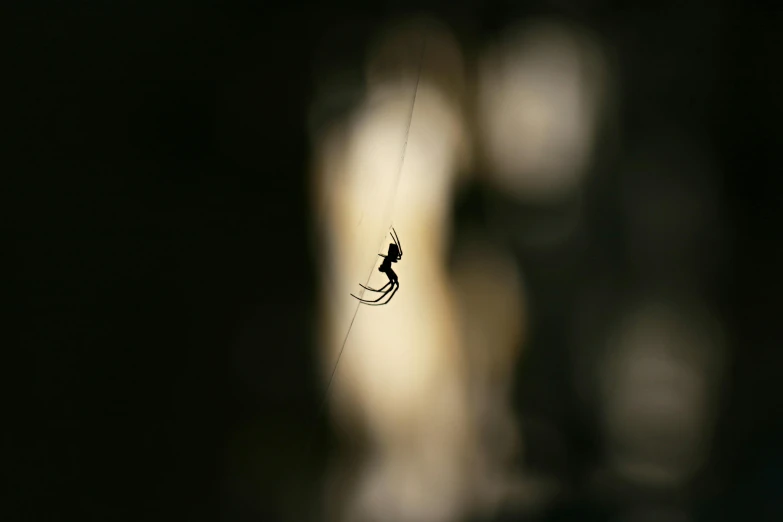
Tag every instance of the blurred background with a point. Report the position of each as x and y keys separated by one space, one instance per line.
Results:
x=586 y=327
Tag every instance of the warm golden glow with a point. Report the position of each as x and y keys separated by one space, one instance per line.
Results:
x=422 y=389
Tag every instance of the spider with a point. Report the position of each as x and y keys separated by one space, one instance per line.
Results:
x=394 y=255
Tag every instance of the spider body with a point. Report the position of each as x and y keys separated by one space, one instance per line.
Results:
x=394 y=254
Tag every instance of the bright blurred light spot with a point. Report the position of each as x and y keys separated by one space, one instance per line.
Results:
x=422 y=389
x=659 y=392
x=541 y=90
x=399 y=390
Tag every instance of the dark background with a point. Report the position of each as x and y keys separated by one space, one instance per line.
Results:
x=157 y=223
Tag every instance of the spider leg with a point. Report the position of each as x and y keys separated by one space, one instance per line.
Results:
x=396 y=287
x=396 y=239
x=373 y=301
x=373 y=289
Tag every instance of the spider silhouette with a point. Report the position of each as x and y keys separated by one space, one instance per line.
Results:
x=394 y=254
